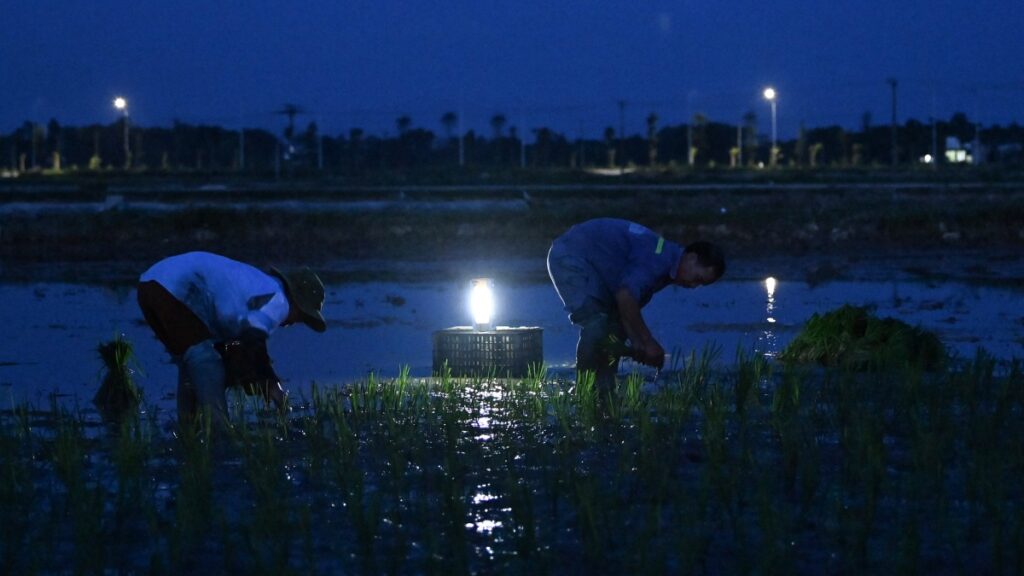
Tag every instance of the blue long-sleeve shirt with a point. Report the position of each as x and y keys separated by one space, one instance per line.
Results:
x=623 y=254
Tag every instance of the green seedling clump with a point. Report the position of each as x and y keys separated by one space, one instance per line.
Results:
x=118 y=391
x=851 y=337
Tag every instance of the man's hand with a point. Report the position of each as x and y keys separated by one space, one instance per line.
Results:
x=647 y=350
x=276 y=394
x=651 y=353
x=248 y=366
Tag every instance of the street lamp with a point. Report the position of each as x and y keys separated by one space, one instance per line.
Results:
x=122 y=105
x=770 y=96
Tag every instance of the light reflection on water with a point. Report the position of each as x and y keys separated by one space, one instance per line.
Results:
x=487 y=413
x=53 y=329
x=768 y=343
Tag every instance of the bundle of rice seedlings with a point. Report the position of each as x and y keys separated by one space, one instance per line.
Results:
x=118 y=391
x=853 y=338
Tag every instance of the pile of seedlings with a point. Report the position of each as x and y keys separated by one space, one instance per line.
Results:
x=852 y=337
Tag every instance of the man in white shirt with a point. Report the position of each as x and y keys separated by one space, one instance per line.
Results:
x=204 y=308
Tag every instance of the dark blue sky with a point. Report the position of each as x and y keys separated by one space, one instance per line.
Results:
x=562 y=64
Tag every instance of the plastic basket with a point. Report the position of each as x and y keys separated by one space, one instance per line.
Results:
x=503 y=352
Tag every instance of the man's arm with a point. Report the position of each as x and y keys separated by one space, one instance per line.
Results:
x=648 y=351
x=249 y=366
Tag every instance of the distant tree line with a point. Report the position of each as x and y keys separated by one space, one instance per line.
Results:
x=700 y=144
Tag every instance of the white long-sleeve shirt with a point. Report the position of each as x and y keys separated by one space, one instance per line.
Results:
x=227 y=295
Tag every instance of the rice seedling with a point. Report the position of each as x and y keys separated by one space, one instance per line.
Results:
x=84 y=500
x=751 y=371
x=721 y=469
x=131 y=453
x=632 y=398
x=268 y=533
x=17 y=493
x=863 y=476
x=118 y=392
x=195 y=512
x=775 y=551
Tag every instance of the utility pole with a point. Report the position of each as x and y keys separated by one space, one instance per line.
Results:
x=935 y=135
x=522 y=143
x=622 y=132
x=277 y=159
x=739 y=145
x=522 y=150
x=893 y=150
x=689 y=142
x=241 y=149
x=583 y=147
x=689 y=127
x=320 y=152
x=462 y=145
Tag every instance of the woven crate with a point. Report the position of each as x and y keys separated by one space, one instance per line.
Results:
x=504 y=351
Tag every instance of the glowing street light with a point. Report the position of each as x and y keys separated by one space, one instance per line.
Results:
x=770 y=96
x=481 y=303
x=121 y=104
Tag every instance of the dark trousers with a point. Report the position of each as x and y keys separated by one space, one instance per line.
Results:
x=593 y=351
x=575 y=280
x=177 y=327
x=200 y=368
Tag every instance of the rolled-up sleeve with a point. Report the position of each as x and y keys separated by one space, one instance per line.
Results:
x=639 y=282
x=269 y=315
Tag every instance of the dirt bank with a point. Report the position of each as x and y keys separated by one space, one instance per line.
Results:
x=817 y=225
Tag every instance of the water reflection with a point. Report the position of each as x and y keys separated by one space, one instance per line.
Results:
x=488 y=415
x=53 y=329
x=769 y=286
x=768 y=342
x=484 y=526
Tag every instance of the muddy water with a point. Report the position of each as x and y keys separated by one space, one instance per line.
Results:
x=52 y=329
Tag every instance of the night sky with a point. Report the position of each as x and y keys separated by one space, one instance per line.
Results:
x=560 y=64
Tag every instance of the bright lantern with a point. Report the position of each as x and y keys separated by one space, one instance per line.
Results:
x=481 y=303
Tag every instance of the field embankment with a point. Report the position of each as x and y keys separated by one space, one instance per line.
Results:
x=131 y=224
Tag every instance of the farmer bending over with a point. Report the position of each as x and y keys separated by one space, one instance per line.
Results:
x=211 y=312
x=605 y=271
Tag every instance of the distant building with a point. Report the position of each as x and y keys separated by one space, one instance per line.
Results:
x=957 y=152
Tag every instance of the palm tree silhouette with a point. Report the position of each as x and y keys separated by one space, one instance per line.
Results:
x=498 y=124
x=652 y=138
x=403 y=123
x=449 y=120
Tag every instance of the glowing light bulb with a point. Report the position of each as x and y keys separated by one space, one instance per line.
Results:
x=481 y=303
x=769 y=285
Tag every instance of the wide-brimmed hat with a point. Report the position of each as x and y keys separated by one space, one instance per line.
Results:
x=305 y=291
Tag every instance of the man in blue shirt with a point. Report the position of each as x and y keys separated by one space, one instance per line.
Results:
x=605 y=271
x=207 y=309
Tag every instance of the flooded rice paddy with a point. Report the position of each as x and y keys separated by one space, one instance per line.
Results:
x=732 y=464
x=53 y=328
